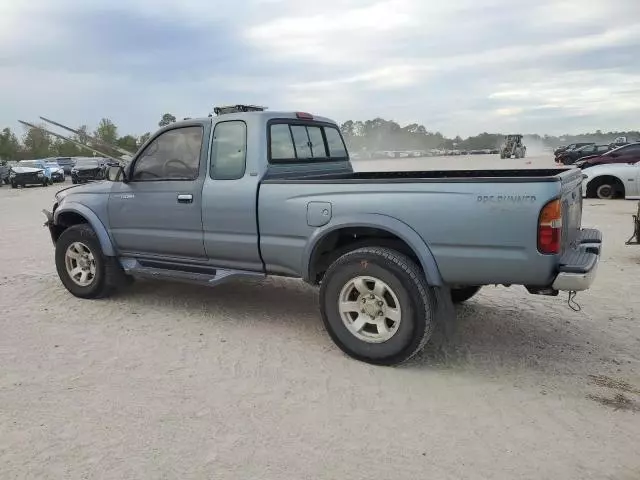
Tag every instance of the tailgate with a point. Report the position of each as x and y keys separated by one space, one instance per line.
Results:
x=571 y=198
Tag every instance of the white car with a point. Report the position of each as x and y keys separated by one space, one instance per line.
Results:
x=613 y=180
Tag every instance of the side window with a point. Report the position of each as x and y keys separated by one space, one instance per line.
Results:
x=229 y=150
x=281 y=142
x=174 y=155
x=631 y=150
x=336 y=145
x=603 y=148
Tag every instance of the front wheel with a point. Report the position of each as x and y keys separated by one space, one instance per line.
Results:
x=459 y=295
x=377 y=306
x=82 y=267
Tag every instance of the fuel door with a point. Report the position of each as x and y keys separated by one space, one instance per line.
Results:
x=318 y=213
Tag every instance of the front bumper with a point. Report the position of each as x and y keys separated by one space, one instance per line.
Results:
x=22 y=179
x=57 y=177
x=578 y=267
x=50 y=225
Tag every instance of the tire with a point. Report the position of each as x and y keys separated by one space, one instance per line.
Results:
x=606 y=191
x=14 y=185
x=404 y=285
x=459 y=295
x=107 y=271
x=74 y=181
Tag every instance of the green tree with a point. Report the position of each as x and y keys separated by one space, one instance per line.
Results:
x=9 y=145
x=128 y=142
x=107 y=131
x=37 y=144
x=144 y=138
x=166 y=119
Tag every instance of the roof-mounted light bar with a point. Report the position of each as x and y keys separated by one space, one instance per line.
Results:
x=238 y=109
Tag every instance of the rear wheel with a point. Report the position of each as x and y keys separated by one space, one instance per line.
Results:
x=459 y=295
x=377 y=306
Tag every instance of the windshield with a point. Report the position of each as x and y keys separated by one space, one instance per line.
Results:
x=87 y=162
x=617 y=149
x=52 y=165
x=30 y=163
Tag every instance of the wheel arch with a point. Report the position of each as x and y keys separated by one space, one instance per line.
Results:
x=74 y=214
x=595 y=182
x=329 y=242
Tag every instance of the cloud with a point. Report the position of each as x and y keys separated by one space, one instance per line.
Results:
x=460 y=66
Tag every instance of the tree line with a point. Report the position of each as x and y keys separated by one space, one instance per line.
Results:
x=369 y=135
x=36 y=144
x=380 y=134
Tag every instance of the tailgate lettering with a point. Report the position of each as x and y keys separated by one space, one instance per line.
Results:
x=506 y=198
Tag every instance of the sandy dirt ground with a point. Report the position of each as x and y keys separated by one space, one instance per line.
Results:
x=170 y=381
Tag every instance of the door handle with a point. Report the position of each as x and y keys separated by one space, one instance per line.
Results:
x=185 y=198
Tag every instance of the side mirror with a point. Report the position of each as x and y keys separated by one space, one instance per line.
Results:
x=116 y=173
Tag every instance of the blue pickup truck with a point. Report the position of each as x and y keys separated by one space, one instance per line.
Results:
x=273 y=193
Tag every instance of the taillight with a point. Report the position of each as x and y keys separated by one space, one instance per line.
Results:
x=550 y=228
x=304 y=115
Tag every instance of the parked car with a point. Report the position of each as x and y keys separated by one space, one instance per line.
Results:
x=4 y=174
x=625 y=154
x=613 y=180
x=572 y=156
x=87 y=169
x=57 y=172
x=272 y=193
x=570 y=147
x=30 y=172
x=66 y=163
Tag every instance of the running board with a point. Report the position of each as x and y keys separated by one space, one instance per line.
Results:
x=211 y=278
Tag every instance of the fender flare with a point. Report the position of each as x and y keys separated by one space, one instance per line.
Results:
x=381 y=222
x=93 y=220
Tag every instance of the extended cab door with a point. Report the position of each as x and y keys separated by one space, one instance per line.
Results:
x=159 y=210
x=229 y=197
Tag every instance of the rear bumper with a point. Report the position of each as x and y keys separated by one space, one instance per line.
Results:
x=578 y=267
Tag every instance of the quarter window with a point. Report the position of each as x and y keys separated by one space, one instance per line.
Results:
x=229 y=150
x=173 y=155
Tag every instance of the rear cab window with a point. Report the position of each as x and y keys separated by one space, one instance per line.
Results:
x=295 y=141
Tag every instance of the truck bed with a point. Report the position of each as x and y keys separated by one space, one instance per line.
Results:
x=507 y=175
x=481 y=226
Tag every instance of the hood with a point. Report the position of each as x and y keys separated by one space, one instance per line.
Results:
x=87 y=188
x=86 y=167
x=55 y=169
x=26 y=169
x=589 y=157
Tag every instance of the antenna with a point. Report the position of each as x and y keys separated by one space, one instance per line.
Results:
x=93 y=139
x=69 y=140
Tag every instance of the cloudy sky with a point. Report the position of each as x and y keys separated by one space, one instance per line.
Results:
x=457 y=66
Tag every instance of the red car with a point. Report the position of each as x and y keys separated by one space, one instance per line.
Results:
x=625 y=154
